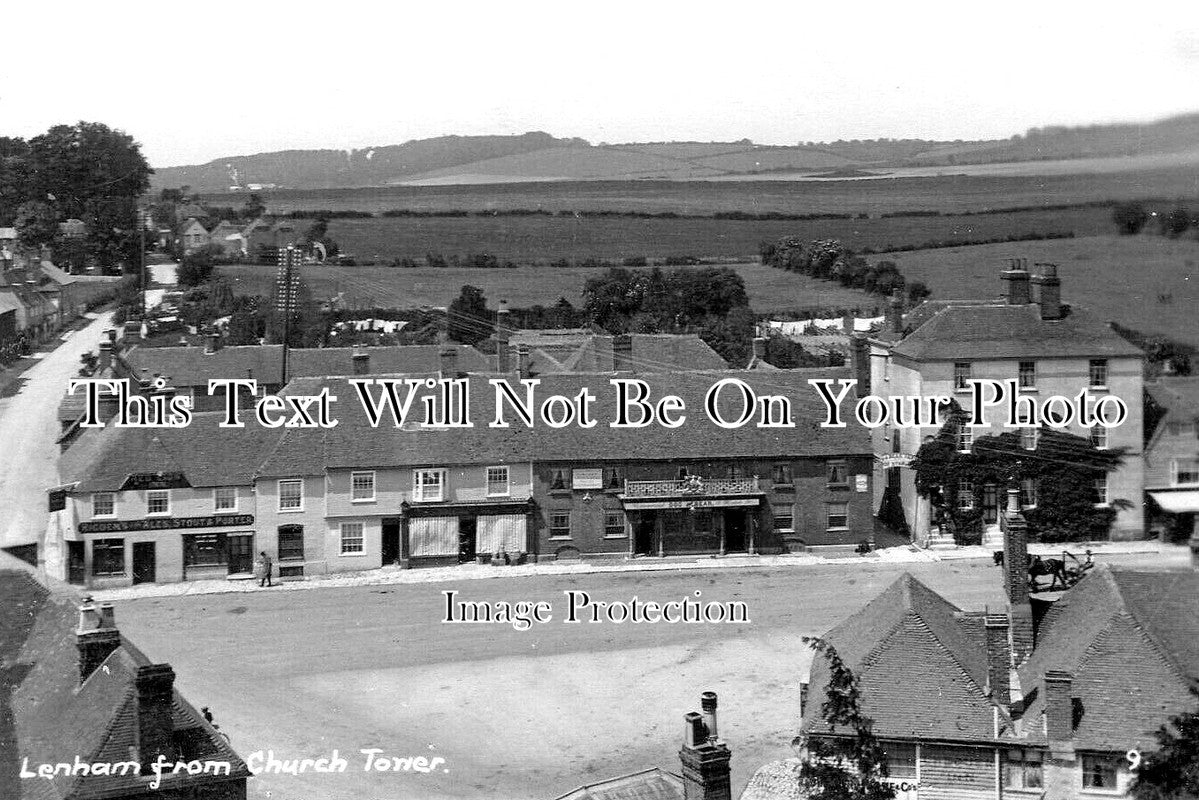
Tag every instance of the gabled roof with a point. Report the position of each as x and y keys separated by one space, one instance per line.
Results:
x=191 y=223
x=648 y=784
x=9 y=301
x=55 y=718
x=1130 y=639
x=582 y=350
x=57 y=275
x=921 y=667
x=953 y=330
x=1179 y=395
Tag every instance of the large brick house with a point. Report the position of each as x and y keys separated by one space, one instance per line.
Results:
x=78 y=692
x=1045 y=347
x=987 y=704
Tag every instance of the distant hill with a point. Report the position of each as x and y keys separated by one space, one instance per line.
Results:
x=539 y=156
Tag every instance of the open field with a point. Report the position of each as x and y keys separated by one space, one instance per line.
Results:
x=949 y=193
x=392 y=287
x=1145 y=282
x=544 y=238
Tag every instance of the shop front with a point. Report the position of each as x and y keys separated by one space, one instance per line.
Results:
x=694 y=515
x=458 y=533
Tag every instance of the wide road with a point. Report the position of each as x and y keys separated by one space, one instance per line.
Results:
x=515 y=714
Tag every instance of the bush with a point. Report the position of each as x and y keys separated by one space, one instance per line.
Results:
x=1130 y=218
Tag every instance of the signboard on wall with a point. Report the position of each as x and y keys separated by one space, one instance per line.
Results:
x=587 y=479
x=155 y=480
x=165 y=523
x=861 y=483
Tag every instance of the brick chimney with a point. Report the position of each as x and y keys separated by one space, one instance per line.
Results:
x=999 y=658
x=449 y=362
x=759 y=348
x=1050 y=295
x=362 y=363
x=96 y=637
x=1059 y=711
x=155 y=685
x=133 y=331
x=1019 y=292
x=212 y=341
x=859 y=353
x=1015 y=577
x=104 y=361
x=502 y=355
x=895 y=312
x=622 y=353
x=111 y=333
x=705 y=758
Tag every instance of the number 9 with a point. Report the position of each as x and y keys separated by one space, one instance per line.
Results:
x=1134 y=759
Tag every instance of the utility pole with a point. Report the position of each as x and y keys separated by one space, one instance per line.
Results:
x=285 y=295
x=141 y=227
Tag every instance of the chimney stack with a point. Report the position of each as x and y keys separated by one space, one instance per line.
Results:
x=502 y=356
x=362 y=363
x=449 y=362
x=759 y=348
x=1059 y=711
x=999 y=659
x=859 y=352
x=704 y=757
x=1050 y=294
x=111 y=333
x=622 y=353
x=895 y=312
x=847 y=324
x=96 y=637
x=1015 y=577
x=522 y=360
x=1019 y=292
x=104 y=361
x=133 y=330
x=212 y=341
x=155 y=685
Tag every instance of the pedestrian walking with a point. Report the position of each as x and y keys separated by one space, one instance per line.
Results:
x=264 y=569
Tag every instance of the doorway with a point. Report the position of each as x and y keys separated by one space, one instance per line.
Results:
x=391 y=542
x=468 y=539
x=643 y=535
x=241 y=553
x=734 y=530
x=76 y=567
x=143 y=562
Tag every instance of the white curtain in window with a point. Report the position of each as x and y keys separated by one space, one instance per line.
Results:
x=501 y=533
x=433 y=536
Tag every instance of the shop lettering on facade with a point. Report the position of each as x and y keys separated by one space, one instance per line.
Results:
x=905 y=788
x=166 y=523
x=140 y=481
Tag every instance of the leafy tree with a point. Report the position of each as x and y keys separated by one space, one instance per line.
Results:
x=1172 y=771
x=88 y=161
x=470 y=319
x=1130 y=218
x=845 y=767
x=1176 y=222
x=197 y=267
x=36 y=223
x=254 y=207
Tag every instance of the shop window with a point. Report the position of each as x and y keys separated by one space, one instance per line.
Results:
x=291 y=495
x=559 y=524
x=614 y=525
x=224 y=498
x=353 y=540
x=291 y=543
x=205 y=550
x=158 y=501
x=497 y=482
x=703 y=522
x=1022 y=770
x=104 y=504
x=784 y=519
x=362 y=487
x=108 y=557
x=837 y=515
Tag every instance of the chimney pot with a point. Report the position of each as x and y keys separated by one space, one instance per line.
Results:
x=705 y=760
x=96 y=636
x=1050 y=295
x=707 y=704
x=1019 y=292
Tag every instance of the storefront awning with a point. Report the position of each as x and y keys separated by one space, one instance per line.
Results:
x=1177 y=502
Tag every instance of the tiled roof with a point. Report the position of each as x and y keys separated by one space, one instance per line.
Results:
x=317 y=362
x=57 y=275
x=1177 y=394
x=206 y=454
x=9 y=302
x=649 y=784
x=775 y=780
x=909 y=643
x=1130 y=639
x=948 y=330
x=583 y=350
x=354 y=443
x=52 y=717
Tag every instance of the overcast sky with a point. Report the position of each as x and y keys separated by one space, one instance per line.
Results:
x=197 y=81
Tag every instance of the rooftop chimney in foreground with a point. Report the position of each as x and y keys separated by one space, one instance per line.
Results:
x=895 y=312
x=212 y=341
x=704 y=757
x=96 y=637
x=1015 y=577
x=449 y=361
x=1019 y=292
x=1050 y=295
x=999 y=659
x=1059 y=711
x=155 y=685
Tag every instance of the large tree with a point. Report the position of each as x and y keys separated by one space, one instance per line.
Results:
x=469 y=318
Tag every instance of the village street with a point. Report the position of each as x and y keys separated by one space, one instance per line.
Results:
x=515 y=714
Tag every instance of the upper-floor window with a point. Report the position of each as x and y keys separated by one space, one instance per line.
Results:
x=1099 y=372
x=1028 y=438
x=965 y=438
x=961 y=374
x=1022 y=770
x=428 y=485
x=1099 y=437
x=781 y=473
x=224 y=498
x=1184 y=471
x=104 y=504
x=901 y=759
x=1028 y=493
x=1099 y=772
x=1181 y=428
x=497 y=482
x=1101 y=489
x=291 y=494
x=362 y=486
x=158 y=501
x=838 y=473
x=965 y=495
x=1027 y=375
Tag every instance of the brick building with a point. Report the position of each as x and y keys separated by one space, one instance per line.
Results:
x=77 y=691
x=1172 y=453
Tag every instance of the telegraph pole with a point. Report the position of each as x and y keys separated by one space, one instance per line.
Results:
x=285 y=295
x=141 y=227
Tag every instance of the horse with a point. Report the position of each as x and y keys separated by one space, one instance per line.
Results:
x=1053 y=567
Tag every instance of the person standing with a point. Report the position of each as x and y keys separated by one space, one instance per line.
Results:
x=264 y=565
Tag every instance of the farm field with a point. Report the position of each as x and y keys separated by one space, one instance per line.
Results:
x=544 y=239
x=770 y=290
x=1145 y=282
x=877 y=196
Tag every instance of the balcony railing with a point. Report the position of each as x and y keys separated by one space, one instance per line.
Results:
x=692 y=485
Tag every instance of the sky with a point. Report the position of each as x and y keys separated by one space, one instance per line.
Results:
x=197 y=82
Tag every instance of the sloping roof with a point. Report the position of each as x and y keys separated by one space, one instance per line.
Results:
x=55 y=274
x=649 y=784
x=206 y=454
x=949 y=330
x=1177 y=394
x=354 y=443
x=775 y=780
x=390 y=360
x=582 y=350
x=55 y=718
x=907 y=643
x=9 y=302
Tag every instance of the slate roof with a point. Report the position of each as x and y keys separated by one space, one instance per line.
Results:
x=54 y=717
x=921 y=670
x=775 y=780
x=102 y=458
x=9 y=302
x=649 y=784
x=1177 y=394
x=322 y=361
x=583 y=350
x=354 y=443
x=1130 y=639
x=961 y=330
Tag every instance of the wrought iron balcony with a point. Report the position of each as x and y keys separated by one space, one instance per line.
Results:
x=691 y=486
